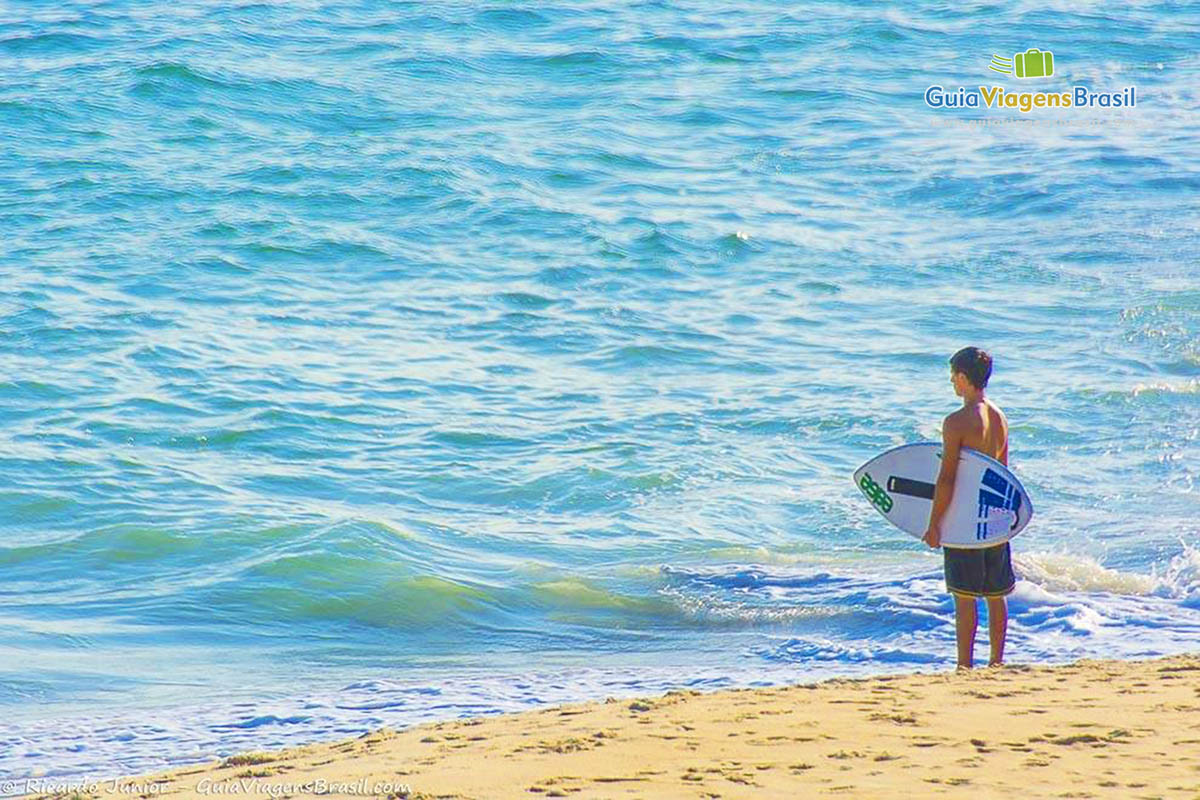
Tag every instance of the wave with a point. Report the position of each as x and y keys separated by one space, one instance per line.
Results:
x=1178 y=579
x=1060 y=572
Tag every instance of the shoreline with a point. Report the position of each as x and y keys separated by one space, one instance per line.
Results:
x=1090 y=728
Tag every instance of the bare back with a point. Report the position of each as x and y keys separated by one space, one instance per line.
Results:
x=983 y=427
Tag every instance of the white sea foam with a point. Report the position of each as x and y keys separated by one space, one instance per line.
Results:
x=1062 y=572
x=1181 y=577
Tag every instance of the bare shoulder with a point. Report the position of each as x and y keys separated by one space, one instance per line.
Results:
x=955 y=420
x=999 y=414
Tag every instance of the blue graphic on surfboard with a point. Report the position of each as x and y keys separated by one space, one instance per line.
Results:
x=989 y=506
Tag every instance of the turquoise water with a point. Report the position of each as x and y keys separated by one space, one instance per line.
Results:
x=369 y=364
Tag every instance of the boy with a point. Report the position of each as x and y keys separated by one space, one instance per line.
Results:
x=985 y=572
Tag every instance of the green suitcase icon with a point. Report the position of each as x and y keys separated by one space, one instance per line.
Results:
x=1034 y=63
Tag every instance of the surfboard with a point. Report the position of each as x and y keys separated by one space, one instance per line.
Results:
x=989 y=505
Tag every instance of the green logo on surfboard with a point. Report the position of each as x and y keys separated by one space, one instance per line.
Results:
x=875 y=493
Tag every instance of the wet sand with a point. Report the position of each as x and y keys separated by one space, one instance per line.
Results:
x=1120 y=729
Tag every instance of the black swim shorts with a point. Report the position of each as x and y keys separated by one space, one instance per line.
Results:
x=982 y=572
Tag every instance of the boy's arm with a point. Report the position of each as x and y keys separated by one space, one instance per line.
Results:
x=944 y=489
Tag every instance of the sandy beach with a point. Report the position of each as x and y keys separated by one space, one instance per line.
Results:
x=1127 y=729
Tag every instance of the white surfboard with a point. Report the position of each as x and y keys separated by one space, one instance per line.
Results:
x=989 y=506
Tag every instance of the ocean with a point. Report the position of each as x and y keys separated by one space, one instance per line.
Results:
x=368 y=364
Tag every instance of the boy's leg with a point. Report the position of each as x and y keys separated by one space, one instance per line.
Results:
x=997 y=628
x=966 y=618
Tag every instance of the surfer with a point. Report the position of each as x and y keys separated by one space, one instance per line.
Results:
x=974 y=573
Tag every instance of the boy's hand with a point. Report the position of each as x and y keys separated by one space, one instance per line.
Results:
x=933 y=536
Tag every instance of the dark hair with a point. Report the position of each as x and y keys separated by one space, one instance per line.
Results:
x=976 y=364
